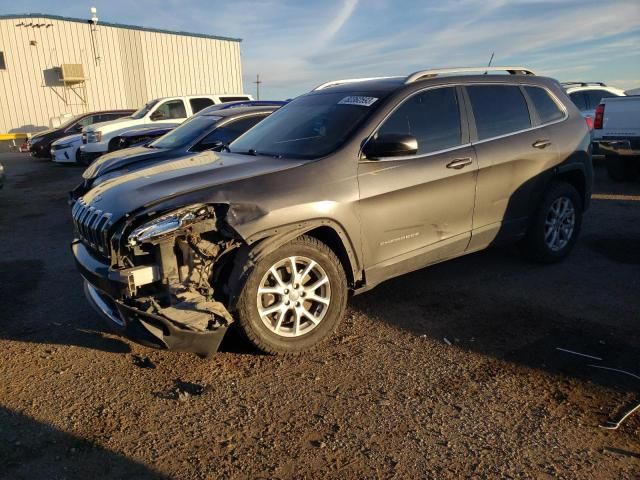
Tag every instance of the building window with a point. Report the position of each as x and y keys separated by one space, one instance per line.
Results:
x=3 y=66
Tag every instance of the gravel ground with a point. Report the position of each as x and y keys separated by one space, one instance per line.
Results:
x=448 y=372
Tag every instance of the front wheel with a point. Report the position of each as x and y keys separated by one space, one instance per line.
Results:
x=555 y=225
x=294 y=298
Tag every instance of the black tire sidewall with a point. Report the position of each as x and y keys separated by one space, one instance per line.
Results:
x=535 y=245
x=249 y=320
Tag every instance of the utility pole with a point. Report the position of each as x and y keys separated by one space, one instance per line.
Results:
x=258 y=82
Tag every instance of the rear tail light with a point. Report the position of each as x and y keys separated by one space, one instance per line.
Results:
x=599 y=120
x=589 y=121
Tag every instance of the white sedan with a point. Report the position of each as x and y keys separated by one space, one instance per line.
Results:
x=67 y=149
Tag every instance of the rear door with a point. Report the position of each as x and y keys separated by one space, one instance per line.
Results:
x=513 y=152
x=417 y=210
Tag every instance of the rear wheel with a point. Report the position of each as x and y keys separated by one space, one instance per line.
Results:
x=294 y=298
x=555 y=225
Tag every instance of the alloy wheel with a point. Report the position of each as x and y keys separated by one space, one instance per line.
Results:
x=559 y=224
x=294 y=296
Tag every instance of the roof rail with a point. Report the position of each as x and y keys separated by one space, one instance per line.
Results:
x=584 y=84
x=423 y=74
x=333 y=83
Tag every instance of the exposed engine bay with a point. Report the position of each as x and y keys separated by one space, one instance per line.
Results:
x=170 y=268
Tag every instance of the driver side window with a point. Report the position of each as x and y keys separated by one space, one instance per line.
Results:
x=432 y=117
x=169 y=110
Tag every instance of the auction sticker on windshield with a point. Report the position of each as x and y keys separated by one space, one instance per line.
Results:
x=358 y=100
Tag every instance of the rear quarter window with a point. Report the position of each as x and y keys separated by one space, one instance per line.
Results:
x=594 y=97
x=578 y=100
x=547 y=109
x=498 y=110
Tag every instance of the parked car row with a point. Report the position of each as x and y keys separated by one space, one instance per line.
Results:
x=40 y=143
x=211 y=129
x=85 y=137
x=270 y=220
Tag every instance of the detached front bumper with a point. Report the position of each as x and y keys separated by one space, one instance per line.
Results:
x=106 y=291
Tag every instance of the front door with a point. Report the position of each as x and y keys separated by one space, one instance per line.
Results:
x=418 y=210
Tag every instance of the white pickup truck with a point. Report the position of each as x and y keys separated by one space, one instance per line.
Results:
x=616 y=130
x=99 y=138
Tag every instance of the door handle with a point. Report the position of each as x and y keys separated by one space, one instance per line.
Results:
x=541 y=143
x=459 y=163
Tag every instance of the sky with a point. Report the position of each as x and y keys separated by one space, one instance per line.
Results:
x=295 y=45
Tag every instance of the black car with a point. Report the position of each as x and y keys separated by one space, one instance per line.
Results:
x=40 y=143
x=141 y=135
x=205 y=131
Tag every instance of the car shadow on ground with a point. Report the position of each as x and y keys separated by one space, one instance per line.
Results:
x=31 y=449
x=497 y=304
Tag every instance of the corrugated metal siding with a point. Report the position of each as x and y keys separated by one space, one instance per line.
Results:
x=134 y=66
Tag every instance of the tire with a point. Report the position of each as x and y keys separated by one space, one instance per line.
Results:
x=538 y=244
x=113 y=144
x=619 y=169
x=281 y=337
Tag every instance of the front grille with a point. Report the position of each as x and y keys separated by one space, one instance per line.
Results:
x=92 y=226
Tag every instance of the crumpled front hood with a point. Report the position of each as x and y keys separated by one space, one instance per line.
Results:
x=207 y=170
x=120 y=159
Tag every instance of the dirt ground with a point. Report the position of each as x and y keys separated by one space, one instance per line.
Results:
x=449 y=372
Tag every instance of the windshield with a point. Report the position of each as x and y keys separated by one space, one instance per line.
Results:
x=311 y=126
x=186 y=133
x=144 y=110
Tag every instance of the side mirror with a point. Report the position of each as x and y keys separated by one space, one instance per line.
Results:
x=390 y=145
x=157 y=115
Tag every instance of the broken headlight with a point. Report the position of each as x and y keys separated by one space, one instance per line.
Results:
x=166 y=224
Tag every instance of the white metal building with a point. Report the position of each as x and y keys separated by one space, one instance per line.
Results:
x=51 y=65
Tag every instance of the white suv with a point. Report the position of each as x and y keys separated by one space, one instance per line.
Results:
x=587 y=95
x=99 y=138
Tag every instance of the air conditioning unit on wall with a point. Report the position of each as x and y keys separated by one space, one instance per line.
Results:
x=74 y=82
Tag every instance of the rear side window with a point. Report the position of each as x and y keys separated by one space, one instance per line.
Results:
x=233 y=99
x=198 y=104
x=498 y=110
x=433 y=117
x=594 y=97
x=578 y=99
x=547 y=109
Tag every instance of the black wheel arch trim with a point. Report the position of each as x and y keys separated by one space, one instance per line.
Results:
x=263 y=243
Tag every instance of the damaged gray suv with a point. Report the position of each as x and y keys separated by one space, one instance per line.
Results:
x=345 y=187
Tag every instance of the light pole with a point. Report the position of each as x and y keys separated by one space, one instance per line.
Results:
x=258 y=82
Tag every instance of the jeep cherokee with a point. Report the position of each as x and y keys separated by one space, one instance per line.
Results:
x=351 y=184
